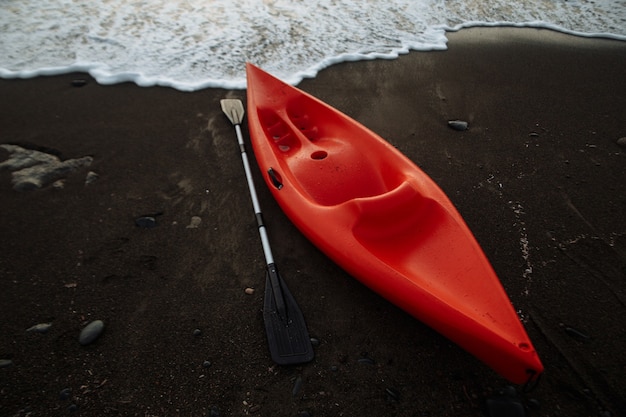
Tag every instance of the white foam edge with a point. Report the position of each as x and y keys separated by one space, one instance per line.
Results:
x=104 y=77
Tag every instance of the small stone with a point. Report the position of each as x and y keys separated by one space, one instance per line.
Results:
x=197 y=332
x=393 y=395
x=195 y=222
x=576 y=334
x=40 y=328
x=459 y=125
x=297 y=386
x=91 y=332
x=65 y=394
x=146 y=222
x=72 y=408
x=5 y=363
x=315 y=341
x=249 y=291
x=255 y=408
x=505 y=404
x=206 y=364
x=622 y=142
x=91 y=177
x=79 y=82
x=366 y=361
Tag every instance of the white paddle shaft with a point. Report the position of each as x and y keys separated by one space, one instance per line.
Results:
x=269 y=259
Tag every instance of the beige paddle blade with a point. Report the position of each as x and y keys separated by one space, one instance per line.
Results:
x=233 y=109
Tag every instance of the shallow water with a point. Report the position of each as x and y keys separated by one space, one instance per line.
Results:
x=193 y=44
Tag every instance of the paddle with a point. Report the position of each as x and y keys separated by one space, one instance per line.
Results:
x=287 y=334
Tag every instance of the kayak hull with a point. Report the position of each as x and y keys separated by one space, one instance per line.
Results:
x=383 y=220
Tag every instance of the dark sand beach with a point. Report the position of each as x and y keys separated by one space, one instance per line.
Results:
x=539 y=177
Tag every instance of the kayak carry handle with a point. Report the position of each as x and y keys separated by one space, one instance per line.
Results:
x=275 y=178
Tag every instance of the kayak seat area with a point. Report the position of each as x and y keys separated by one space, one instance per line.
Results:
x=418 y=237
x=409 y=231
x=393 y=215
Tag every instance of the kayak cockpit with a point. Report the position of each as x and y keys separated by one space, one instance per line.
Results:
x=329 y=166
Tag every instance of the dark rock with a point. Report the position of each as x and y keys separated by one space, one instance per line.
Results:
x=206 y=364
x=214 y=412
x=65 y=394
x=297 y=386
x=5 y=363
x=197 y=332
x=146 y=222
x=367 y=361
x=622 y=142
x=40 y=328
x=392 y=395
x=576 y=334
x=91 y=332
x=459 y=125
x=79 y=82
x=505 y=404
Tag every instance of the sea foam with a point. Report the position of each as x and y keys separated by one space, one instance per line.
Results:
x=194 y=44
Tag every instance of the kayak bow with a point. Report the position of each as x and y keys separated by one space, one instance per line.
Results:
x=383 y=220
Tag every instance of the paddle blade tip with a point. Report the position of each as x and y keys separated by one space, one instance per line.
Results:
x=233 y=109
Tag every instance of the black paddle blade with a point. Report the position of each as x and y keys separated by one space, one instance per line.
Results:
x=287 y=334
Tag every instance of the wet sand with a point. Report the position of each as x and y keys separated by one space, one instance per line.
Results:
x=539 y=177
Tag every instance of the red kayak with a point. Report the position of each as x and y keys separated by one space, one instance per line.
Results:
x=383 y=220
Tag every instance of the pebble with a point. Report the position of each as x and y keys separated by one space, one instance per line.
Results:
x=249 y=291
x=315 y=341
x=367 y=361
x=206 y=364
x=146 y=222
x=459 y=125
x=393 y=395
x=79 y=83
x=195 y=222
x=297 y=386
x=91 y=332
x=505 y=404
x=5 y=363
x=197 y=332
x=91 y=177
x=65 y=394
x=40 y=328
x=576 y=334
x=72 y=408
x=622 y=142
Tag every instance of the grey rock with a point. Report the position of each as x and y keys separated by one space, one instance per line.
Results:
x=40 y=328
x=91 y=332
x=459 y=125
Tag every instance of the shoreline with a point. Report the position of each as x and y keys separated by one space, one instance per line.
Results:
x=467 y=34
x=538 y=177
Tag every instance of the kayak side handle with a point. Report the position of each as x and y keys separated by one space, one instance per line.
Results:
x=275 y=178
